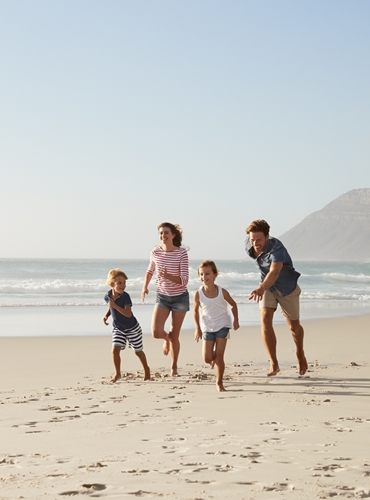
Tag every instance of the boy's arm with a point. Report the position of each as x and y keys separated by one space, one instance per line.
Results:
x=198 y=331
x=234 y=308
x=125 y=311
x=106 y=317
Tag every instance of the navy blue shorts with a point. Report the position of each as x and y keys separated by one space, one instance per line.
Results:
x=175 y=303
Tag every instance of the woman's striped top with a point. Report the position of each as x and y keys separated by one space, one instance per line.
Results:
x=176 y=263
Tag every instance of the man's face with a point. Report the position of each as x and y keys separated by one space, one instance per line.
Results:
x=258 y=242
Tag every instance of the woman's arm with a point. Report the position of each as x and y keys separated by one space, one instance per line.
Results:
x=145 y=290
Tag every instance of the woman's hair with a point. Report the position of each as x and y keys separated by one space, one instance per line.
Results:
x=176 y=230
x=258 y=226
x=208 y=263
x=114 y=274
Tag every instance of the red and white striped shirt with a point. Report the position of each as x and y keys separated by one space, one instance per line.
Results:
x=176 y=263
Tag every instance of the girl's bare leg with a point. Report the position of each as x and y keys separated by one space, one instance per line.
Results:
x=208 y=352
x=116 y=354
x=220 y=363
x=173 y=336
x=160 y=315
x=142 y=357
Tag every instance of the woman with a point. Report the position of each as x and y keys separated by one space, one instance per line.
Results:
x=170 y=261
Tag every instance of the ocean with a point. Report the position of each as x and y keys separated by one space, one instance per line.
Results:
x=66 y=296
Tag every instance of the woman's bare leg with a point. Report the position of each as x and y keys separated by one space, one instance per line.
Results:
x=173 y=336
x=160 y=315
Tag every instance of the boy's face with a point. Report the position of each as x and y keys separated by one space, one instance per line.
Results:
x=119 y=285
x=206 y=275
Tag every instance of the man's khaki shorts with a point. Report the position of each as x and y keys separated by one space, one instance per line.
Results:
x=289 y=303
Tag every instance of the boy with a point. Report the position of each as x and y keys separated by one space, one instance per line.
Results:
x=126 y=329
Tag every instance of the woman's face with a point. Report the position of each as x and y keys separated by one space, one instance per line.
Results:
x=165 y=235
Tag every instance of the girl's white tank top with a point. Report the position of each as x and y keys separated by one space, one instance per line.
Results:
x=214 y=313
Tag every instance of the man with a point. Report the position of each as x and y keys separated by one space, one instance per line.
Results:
x=278 y=286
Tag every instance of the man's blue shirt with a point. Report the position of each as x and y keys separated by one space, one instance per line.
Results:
x=275 y=251
x=119 y=320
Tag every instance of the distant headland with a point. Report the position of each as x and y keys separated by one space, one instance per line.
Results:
x=339 y=231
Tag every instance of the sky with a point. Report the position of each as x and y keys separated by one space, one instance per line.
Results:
x=117 y=115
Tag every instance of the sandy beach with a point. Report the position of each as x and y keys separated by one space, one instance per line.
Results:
x=66 y=431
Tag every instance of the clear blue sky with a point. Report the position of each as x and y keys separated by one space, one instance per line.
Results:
x=117 y=115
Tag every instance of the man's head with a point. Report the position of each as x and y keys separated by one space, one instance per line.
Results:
x=258 y=232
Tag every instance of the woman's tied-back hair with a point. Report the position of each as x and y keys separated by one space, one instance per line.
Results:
x=258 y=226
x=176 y=230
x=114 y=274
x=209 y=263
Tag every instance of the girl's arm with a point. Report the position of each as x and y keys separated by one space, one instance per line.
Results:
x=106 y=317
x=234 y=308
x=198 y=331
x=125 y=311
x=145 y=290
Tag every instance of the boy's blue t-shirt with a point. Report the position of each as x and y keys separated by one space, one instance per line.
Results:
x=275 y=251
x=119 y=320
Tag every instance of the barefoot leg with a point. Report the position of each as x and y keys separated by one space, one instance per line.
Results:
x=298 y=335
x=174 y=338
x=142 y=358
x=269 y=339
x=116 y=355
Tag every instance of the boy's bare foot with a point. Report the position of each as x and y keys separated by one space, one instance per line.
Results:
x=274 y=370
x=166 y=347
x=147 y=373
x=302 y=365
x=115 y=378
x=220 y=387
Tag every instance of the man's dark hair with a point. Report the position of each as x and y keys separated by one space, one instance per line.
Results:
x=258 y=226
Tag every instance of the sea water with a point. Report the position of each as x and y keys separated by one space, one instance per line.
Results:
x=66 y=296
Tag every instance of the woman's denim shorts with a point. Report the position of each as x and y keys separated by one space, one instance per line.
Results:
x=175 y=303
x=221 y=334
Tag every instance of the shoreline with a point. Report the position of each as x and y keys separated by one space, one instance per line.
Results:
x=71 y=321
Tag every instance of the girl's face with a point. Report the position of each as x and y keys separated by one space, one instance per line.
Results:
x=206 y=275
x=165 y=235
x=119 y=285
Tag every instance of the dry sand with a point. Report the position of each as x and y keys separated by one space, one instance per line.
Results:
x=66 y=431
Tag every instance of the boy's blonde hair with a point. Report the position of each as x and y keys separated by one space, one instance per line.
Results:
x=114 y=274
x=209 y=263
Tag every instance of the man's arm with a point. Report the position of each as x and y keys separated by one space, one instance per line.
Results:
x=269 y=280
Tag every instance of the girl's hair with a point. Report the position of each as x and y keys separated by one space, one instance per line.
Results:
x=209 y=263
x=114 y=274
x=176 y=230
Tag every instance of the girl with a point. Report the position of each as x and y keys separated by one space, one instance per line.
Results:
x=212 y=317
x=170 y=261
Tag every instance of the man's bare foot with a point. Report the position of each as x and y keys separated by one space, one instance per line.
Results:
x=220 y=387
x=274 y=370
x=302 y=365
x=166 y=347
x=115 y=378
x=147 y=373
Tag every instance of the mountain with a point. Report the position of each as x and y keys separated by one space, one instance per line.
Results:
x=339 y=231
